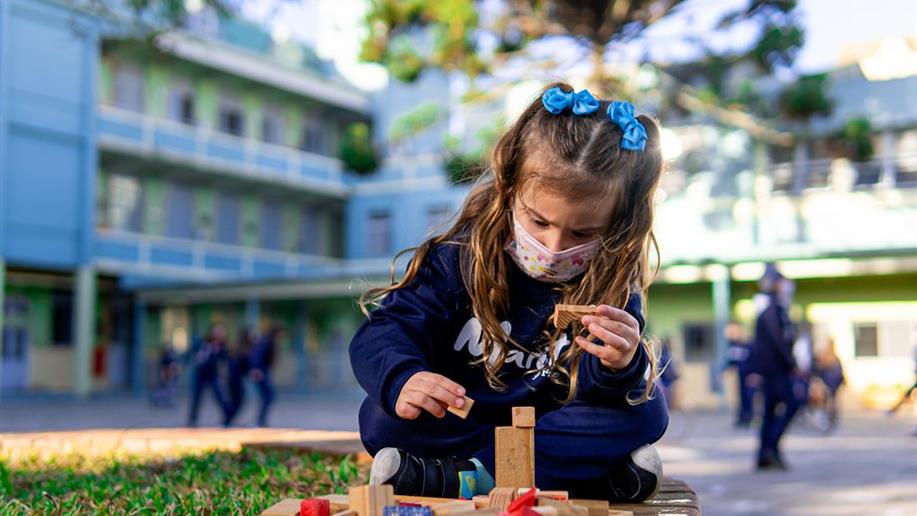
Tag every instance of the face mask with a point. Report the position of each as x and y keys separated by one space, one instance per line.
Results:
x=541 y=263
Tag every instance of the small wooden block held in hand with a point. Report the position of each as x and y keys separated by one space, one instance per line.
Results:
x=524 y=417
x=564 y=315
x=464 y=410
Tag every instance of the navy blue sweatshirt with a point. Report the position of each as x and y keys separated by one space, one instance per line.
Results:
x=772 y=350
x=428 y=326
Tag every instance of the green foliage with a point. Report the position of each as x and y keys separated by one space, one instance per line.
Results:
x=171 y=12
x=357 y=151
x=463 y=168
x=854 y=141
x=209 y=483
x=806 y=98
x=414 y=122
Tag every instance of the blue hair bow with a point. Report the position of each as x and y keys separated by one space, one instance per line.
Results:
x=556 y=100
x=622 y=113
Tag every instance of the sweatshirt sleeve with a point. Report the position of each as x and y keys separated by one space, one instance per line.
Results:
x=397 y=340
x=597 y=383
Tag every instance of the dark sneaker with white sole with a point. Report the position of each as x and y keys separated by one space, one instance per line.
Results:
x=638 y=478
x=417 y=476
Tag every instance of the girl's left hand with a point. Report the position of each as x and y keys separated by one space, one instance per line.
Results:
x=617 y=330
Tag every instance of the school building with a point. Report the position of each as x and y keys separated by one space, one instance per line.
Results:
x=150 y=188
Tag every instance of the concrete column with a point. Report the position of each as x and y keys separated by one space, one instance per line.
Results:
x=721 y=302
x=2 y=310
x=887 y=178
x=138 y=379
x=84 y=329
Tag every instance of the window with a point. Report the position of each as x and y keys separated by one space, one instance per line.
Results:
x=180 y=210
x=379 y=234
x=313 y=136
x=272 y=126
x=271 y=224
x=231 y=117
x=61 y=317
x=865 y=340
x=229 y=218
x=181 y=104
x=310 y=231
x=699 y=344
x=437 y=217
x=128 y=87
x=125 y=203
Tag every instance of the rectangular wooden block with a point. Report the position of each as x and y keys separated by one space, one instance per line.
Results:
x=501 y=497
x=464 y=410
x=422 y=500
x=454 y=507
x=595 y=507
x=371 y=500
x=285 y=507
x=563 y=508
x=338 y=502
x=524 y=417
x=564 y=315
x=515 y=456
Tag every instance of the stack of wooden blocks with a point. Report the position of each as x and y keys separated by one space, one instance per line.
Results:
x=514 y=494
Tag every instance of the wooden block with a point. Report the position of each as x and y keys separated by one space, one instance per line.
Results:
x=371 y=500
x=501 y=497
x=524 y=417
x=481 y=501
x=545 y=510
x=338 y=502
x=515 y=456
x=400 y=510
x=562 y=507
x=464 y=410
x=562 y=496
x=453 y=507
x=422 y=500
x=595 y=507
x=616 y=512
x=347 y=512
x=315 y=507
x=564 y=315
x=285 y=507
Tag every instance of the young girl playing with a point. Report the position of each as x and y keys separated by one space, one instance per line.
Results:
x=564 y=216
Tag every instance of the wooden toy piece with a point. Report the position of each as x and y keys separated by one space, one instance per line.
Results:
x=618 y=512
x=464 y=410
x=562 y=496
x=501 y=497
x=481 y=501
x=338 y=502
x=566 y=314
x=402 y=510
x=523 y=502
x=524 y=417
x=422 y=500
x=285 y=507
x=347 y=512
x=371 y=500
x=563 y=508
x=595 y=507
x=315 y=507
x=515 y=456
x=454 y=507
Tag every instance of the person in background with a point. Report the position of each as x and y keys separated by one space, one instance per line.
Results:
x=207 y=355
x=772 y=357
x=737 y=356
x=828 y=369
x=669 y=375
x=262 y=360
x=907 y=393
x=239 y=367
x=169 y=369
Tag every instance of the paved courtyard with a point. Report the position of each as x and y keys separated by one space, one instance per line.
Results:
x=868 y=466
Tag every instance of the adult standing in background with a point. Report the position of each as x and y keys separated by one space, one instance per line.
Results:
x=239 y=367
x=262 y=360
x=207 y=355
x=737 y=354
x=772 y=357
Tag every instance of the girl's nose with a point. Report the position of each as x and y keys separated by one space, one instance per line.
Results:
x=554 y=242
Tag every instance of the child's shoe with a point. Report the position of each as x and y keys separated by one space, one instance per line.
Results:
x=638 y=478
x=416 y=476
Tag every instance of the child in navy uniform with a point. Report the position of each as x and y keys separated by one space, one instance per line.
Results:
x=563 y=216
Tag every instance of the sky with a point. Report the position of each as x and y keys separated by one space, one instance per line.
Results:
x=333 y=27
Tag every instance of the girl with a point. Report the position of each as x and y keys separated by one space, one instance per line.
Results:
x=564 y=216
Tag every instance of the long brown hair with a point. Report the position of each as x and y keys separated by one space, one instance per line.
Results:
x=579 y=157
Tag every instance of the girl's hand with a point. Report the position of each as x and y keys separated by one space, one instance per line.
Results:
x=619 y=332
x=428 y=391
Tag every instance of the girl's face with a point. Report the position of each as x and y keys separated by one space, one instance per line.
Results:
x=556 y=221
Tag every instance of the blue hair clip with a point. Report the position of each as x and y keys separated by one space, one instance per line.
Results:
x=557 y=100
x=622 y=113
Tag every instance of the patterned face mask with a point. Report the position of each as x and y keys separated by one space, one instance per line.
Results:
x=543 y=264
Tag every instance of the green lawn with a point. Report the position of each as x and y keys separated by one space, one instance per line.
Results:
x=206 y=483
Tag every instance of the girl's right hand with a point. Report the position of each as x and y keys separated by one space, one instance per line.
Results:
x=428 y=391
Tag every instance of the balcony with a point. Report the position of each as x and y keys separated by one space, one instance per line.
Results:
x=171 y=260
x=217 y=153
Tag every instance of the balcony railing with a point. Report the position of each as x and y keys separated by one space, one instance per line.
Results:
x=175 y=259
x=201 y=147
x=897 y=171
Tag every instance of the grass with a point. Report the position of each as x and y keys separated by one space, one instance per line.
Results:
x=216 y=482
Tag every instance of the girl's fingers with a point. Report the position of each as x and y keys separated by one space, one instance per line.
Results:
x=423 y=401
x=442 y=394
x=618 y=315
x=446 y=383
x=601 y=352
x=407 y=411
x=608 y=337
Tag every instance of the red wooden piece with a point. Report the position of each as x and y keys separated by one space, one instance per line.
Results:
x=315 y=507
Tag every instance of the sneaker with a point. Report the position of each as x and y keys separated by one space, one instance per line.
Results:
x=417 y=476
x=638 y=478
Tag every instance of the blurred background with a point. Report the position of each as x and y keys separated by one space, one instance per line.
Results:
x=171 y=164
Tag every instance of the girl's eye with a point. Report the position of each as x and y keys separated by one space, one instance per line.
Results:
x=580 y=235
x=540 y=223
